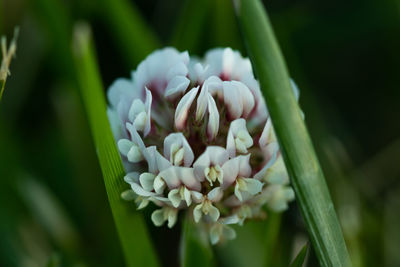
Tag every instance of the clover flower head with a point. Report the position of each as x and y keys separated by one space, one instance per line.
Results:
x=195 y=135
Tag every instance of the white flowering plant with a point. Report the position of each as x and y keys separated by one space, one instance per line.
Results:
x=195 y=135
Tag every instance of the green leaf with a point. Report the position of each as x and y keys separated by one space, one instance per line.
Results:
x=131 y=228
x=299 y=260
x=133 y=36
x=301 y=161
x=195 y=247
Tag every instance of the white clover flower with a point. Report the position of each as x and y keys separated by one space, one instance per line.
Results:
x=196 y=135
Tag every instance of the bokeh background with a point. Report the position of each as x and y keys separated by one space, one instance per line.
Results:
x=344 y=56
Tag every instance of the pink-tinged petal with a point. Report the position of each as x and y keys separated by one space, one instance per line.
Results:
x=186 y=175
x=213 y=118
x=232 y=100
x=183 y=107
x=170 y=177
x=231 y=171
x=215 y=194
x=176 y=87
x=178 y=140
x=147 y=104
x=246 y=97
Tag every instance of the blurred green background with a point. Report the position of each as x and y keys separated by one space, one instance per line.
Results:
x=344 y=56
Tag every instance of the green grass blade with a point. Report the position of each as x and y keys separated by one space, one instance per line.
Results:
x=300 y=258
x=131 y=228
x=305 y=172
x=195 y=246
x=133 y=36
x=188 y=32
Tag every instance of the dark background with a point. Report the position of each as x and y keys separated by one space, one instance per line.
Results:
x=343 y=55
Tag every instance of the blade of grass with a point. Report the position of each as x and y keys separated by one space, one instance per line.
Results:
x=305 y=172
x=187 y=34
x=300 y=258
x=133 y=36
x=130 y=225
x=195 y=247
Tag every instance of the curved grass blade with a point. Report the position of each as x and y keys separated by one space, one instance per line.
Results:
x=300 y=258
x=195 y=247
x=131 y=228
x=305 y=172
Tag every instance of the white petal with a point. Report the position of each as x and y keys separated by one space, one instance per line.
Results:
x=176 y=87
x=186 y=175
x=197 y=212
x=253 y=186
x=187 y=196
x=139 y=142
x=179 y=69
x=124 y=145
x=215 y=233
x=213 y=212
x=179 y=140
x=202 y=102
x=231 y=171
x=143 y=204
x=239 y=138
x=135 y=155
x=170 y=177
x=212 y=156
x=132 y=177
x=182 y=110
x=238 y=193
x=147 y=180
x=159 y=185
x=228 y=232
x=266 y=133
x=244 y=165
x=172 y=217
x=175 y=197
x=136 y=107
x=215 y=194
x=149 y=99
x=213 y=118
x=158 y=217
x=274 y=149
x=161 y=162
x=140 y=121
x=121 y=88
x=197 y=196
x=140 y=191
x=246 y=98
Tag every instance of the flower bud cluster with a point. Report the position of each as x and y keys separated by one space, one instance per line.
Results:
x=195 y=135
